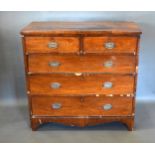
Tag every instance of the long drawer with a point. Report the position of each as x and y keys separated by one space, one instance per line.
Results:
x=81 y=106
x=68 y=84
x=70 y=63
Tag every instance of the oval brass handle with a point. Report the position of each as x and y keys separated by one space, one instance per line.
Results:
x=107 y=85
x=52 y=44
x=54 y=63
x=56 y=105
x=55 y=85
x=108 y=64
x=107 y=106
x=109 y=45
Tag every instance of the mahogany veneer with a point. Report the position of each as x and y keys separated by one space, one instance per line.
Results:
x=39 y=44
x=81 y=85
x=81 y=73
x=86 y=63
x=82 y=106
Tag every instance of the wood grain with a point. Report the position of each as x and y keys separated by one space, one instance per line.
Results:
x=81 y=106
x=40 y=44
x=81 y=28
x=39 y=63
x=82 y=122
x=81 y=49
x=81 y=85
x=122 y=44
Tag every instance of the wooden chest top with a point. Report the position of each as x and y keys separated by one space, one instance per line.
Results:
x=81 y=28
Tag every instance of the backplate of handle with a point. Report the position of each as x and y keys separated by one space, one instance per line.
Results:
x=107 y=106
x=54 y=63
x=55 y=85
x=109 y=45
x=52 y=44
x=56 y=105
x=107 y=85
x=108 y=64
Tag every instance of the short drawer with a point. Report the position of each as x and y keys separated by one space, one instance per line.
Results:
x=81 y=106
x=59 y=84
x=110 y=44
x=49 y=63
x=52 y=44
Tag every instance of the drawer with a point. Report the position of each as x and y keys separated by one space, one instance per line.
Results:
x=68 y=84
x=52 y=44
x=81 y=106
x=110 y=44
x=49 y=63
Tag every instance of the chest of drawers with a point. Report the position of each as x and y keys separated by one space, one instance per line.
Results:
x=81 y=73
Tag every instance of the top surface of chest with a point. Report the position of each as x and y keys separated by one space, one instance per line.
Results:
x=81 y=28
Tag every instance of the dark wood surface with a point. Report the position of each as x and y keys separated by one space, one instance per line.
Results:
x=85 y=28
x=81 y=52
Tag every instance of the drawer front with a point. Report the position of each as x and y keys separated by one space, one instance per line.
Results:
x=110 y=44
x=52 y=44
x=58 y=84
x=49 y=63
x=81 y=106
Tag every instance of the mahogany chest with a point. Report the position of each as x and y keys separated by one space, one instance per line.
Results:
x=81 y=73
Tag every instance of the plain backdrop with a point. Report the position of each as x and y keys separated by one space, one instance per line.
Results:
x=12 y=80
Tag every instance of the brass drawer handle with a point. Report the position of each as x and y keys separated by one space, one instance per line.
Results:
x=109 y=45
x=52 y=45
x=78 y=74
x=107 y=106
x=55 y=85
x=56 y=105
x=107 y=85
x=54 y=64
x=108 y=64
